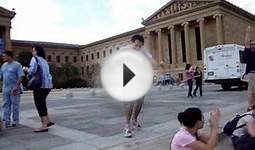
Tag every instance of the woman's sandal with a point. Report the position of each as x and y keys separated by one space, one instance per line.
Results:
x=39 y=130
x=50 y=124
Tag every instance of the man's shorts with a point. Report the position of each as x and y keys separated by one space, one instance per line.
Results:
x=135 y=101
x=251 y=84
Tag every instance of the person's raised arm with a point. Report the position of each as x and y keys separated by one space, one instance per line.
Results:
x=248 y=37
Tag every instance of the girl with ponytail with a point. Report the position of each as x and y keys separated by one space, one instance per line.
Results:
x=189 y=137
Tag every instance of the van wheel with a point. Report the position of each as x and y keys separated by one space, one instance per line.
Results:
x=226 y=87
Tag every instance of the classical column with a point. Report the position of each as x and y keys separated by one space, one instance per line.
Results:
x=219 y=28
x=173 y=45
x=149 y=43
x=160 y=51
x=201 y=22
x=187 y=41
x=7 y=37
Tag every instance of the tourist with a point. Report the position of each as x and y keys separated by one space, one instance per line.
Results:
x=11 y=74
x=189 y=78
x=40 y=94
x=189 y=137
x=249 y=57
x=198 y=75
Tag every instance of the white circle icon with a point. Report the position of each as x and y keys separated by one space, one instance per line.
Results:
x=127 y=75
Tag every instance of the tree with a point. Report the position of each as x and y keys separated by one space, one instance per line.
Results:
x=94 y=74
x=24 y=58
x=65 y=76
x=69 y=71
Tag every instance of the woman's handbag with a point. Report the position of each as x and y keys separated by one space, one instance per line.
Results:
x=35 y=81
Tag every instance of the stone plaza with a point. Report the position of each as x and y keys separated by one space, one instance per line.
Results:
x=88 y=119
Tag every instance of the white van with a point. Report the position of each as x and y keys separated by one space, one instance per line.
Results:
x=223 y=65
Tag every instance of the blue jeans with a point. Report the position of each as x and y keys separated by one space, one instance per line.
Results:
x=11 y=105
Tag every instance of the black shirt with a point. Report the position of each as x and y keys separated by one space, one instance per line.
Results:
x=249 y=57
x=198 y=78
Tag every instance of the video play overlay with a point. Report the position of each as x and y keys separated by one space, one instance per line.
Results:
x=127 y=75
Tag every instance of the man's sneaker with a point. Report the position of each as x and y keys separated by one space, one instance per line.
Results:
x=15 y=123
x=128 y=133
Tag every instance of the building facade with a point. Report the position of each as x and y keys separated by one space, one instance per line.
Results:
x=176 y=34
x=5 y=27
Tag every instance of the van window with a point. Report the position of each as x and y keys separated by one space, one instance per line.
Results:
x=242 y=59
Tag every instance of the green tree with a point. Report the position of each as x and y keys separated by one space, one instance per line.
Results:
x=93 y=75
x=24 y=58
x=66 y=75
x=69 y=71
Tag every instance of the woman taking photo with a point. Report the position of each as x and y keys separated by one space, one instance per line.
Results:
x=189 y=77
x=189 y=136
x=40 y=94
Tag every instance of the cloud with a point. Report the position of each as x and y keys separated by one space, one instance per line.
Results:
x=35 y=19
x=248 y=5
x=83 y=21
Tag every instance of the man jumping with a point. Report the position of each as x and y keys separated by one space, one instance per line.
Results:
x=133 y=108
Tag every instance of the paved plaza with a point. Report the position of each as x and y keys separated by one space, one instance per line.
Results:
x=89 y=119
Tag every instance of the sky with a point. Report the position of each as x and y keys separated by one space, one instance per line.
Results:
x=83 y=21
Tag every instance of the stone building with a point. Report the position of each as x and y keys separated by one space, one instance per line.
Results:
x=177 y=34
x=5 y=27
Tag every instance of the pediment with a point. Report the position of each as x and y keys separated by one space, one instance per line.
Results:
x=6 y=13
x=176 y=6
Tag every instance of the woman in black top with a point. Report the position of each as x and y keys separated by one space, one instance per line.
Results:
x=198 y=78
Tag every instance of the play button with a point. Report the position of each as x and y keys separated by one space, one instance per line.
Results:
x=127 y=75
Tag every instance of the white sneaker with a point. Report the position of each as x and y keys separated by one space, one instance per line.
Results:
x=15 y=123
x=127 y=132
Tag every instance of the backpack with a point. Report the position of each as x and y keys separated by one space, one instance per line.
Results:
x=231 y=125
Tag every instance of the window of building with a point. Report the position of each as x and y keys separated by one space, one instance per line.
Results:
x=2 y=44
x=87 y=57
x=82 y=71
x=81 y=58
x=92 y=56
x=49 y=58
x=183 y=47
x=104 y=53
x=58 y=59
x=74 y=59
x=198 y=43
x=66 y=59
x=98 y=55
x=87 y=70
x=170 y=49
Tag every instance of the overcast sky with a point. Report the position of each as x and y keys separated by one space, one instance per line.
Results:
x=83 y=21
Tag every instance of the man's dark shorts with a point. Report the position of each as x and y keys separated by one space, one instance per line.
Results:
x=140 y=100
